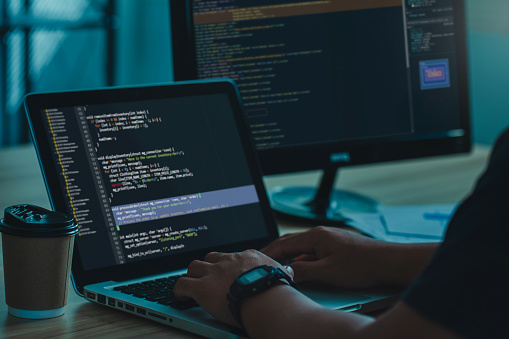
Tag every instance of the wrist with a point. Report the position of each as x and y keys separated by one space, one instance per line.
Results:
x=267 y=311
x=252 y=282
x=260 y=301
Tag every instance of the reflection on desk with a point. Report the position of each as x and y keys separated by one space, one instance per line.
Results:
x=446 y=179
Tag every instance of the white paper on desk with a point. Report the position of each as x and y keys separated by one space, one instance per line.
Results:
x=405 y=224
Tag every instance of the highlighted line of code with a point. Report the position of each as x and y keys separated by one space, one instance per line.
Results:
x=183 y=205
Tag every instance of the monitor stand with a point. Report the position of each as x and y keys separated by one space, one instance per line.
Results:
x=322 y=206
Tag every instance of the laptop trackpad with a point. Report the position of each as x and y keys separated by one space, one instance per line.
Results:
x=332 y=297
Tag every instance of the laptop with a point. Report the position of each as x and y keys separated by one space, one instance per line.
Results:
x=158 y=176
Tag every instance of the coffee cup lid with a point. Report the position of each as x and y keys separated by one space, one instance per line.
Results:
x=36 y=222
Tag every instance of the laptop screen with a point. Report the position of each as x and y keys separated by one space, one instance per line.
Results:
x=150 y=178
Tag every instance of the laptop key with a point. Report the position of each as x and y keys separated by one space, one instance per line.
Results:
x=142 y=295
x=167 y=300
x=156 y=297
x=158 y=290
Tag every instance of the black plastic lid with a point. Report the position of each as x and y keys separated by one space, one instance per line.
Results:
x=36 y=222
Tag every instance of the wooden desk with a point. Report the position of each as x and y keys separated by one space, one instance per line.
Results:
x=438 y=180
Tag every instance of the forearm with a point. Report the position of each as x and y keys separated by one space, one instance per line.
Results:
x=400 y=264
x=283 y=312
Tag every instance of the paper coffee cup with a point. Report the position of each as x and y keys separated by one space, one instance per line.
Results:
x=37 y=253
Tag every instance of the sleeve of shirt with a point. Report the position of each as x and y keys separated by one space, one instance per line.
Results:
x=464 y=286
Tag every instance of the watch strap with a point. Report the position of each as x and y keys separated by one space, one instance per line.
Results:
x=238 y=292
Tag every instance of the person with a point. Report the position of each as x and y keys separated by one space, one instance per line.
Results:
x=453 y=289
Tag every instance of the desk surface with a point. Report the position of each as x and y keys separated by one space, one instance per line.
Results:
x=446 y=179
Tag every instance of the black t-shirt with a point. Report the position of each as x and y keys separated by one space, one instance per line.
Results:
x=465 y=285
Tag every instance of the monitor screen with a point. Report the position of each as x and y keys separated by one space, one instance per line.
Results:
x=327 y=84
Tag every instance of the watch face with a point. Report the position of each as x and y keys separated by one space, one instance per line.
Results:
x=253 y=276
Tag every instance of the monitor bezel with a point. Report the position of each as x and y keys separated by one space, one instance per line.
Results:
x=359 y=152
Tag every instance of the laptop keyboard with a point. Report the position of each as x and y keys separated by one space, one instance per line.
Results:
x=158 y=290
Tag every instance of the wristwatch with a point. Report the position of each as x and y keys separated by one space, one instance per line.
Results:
x=254 y=281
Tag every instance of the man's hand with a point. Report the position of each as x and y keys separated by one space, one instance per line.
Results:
x=209 y=281
x=331 y=255
x=347 y=259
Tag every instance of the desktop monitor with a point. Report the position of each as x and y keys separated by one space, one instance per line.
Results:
x=329 y=83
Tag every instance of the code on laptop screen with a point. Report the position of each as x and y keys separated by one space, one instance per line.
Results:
x=153 y=178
